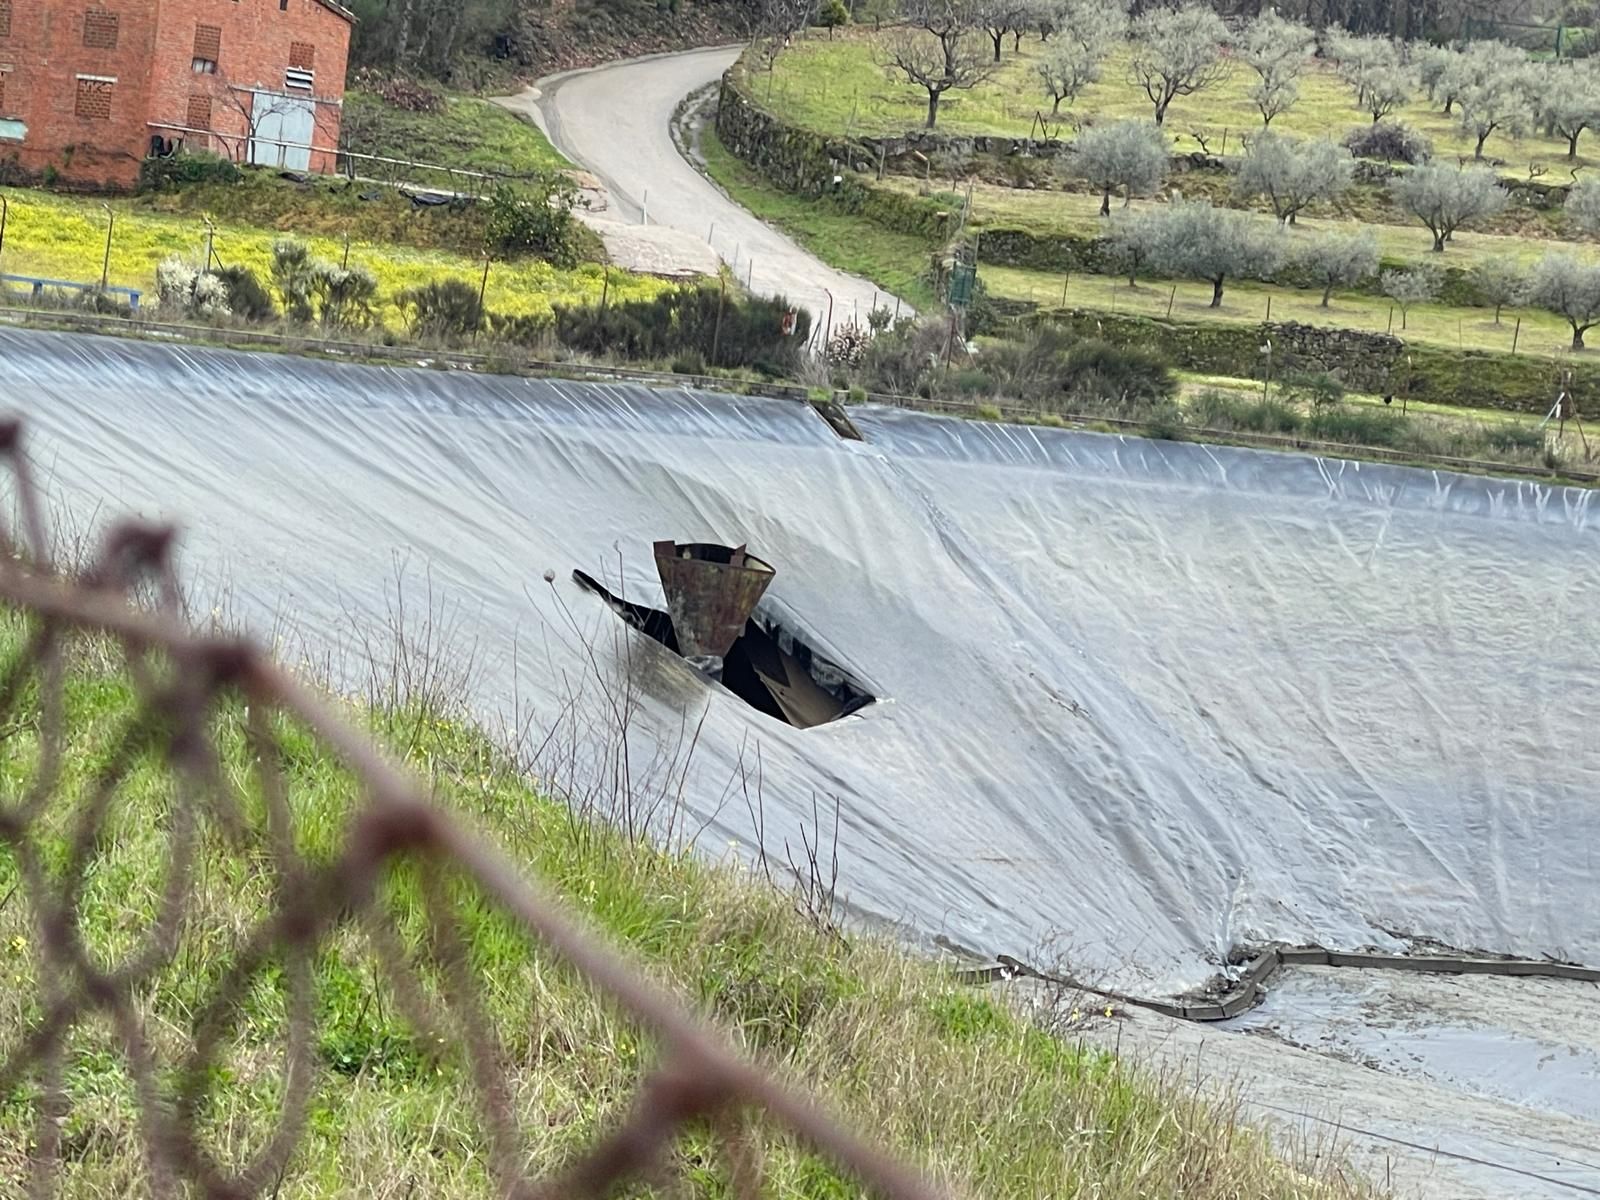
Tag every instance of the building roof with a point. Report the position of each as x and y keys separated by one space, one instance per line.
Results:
x=333 y=6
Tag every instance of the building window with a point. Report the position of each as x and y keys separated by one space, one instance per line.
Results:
x=94 y=97
x=100 y=29
x=208 y=43
x=5 y=18
x=199 y=116
x=302 y=55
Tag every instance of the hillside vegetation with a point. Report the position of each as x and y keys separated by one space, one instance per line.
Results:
x=988 y=1105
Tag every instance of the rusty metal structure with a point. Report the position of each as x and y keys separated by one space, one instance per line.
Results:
x=711 y=591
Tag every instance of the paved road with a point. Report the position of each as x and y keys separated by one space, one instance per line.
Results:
x=614 y=121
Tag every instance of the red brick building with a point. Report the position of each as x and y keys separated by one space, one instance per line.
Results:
x=89 y=88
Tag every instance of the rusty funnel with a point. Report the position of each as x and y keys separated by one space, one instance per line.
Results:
x=711 y=592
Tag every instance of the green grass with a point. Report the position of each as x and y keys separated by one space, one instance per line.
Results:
x=1245 y=302
x=944 y=1075
x=839 y=86
x=470 y=134
x=894 y=261
x=63 y=237
x=1078 y=213
x=897 y=261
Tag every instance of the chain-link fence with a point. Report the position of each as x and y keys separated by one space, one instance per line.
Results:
x=221 y=722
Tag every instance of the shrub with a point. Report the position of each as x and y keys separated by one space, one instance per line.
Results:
x=847 y=345
x=1389 y=142
x=247 y=297
x=186 y=167
x=1357 y=427
x=536 y=219
x=185 y=290
x=448 y=310
x=1315 y=389
x=407 y=95
x=531 y=330
x=293 y=272
x=726 y=332
x=690 y=363
x=345 y=295
x=1130 y=377
x=903 y=360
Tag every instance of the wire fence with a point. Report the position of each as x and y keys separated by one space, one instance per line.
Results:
x=189 y=686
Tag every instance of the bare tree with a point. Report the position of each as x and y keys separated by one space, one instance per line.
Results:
x=1339 y=260
x=1569 y=288
x=1131 y=155
x=1276 y=49
x=1000 y=17
x=1583 y=205
x=935 y=49
x=776 y=24
x=1571 y=106
x=1500 y=281
x=1293 y=175
x=1414 y=285
x=1177 y=52
x=1445 y=198
x=1089 y=31
x=1197 y=240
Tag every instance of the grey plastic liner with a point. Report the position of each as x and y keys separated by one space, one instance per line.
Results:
x=1141 y=700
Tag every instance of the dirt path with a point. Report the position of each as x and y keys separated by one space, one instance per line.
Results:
x=615 y=122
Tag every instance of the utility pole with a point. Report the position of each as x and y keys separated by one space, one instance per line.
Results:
x=105 y=266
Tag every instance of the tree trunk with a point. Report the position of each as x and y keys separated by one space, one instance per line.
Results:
x=1016 y=40
x=1572 y=144
x=1497 y=308
x=997 y=38
x=1403 y=308
x=1216 y=292
x=1105 y=203
x=1449 y=103
x=1055 y=109
x=1327 y=292
x=403 y=42
x=1478 y=152
x=1577 y=337
x=1438 y=242
x=1266 y=120
x=933 y=115
x=1293 y=213
x=1161 y=111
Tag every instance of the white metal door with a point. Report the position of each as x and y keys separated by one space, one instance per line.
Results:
x=283 y=129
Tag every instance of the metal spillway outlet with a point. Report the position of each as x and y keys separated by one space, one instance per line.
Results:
x=711 y=591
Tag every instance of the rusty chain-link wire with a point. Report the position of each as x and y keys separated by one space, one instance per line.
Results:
x=184 y=683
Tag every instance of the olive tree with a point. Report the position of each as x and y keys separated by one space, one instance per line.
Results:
x=1444 y=198
x=1195 y=239
x=936 y=50
x=1383 y=89
x=1130 y=155
x=1089 y=31
x=1437 y=71
x=1132 y=242
x=1177 y=52
x=1500 y=282
x=1292 y=175
x=1569 y=288
x=1583 y=205
x=1571 y=106
x=1502 y=98
x=1359 y=60
x=1276 y=49
x=1338 y=260
x=1414 y=285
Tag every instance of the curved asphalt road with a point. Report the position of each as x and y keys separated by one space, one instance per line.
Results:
x=615 y=120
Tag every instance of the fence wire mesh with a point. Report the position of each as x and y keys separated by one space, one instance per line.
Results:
x=217 y=719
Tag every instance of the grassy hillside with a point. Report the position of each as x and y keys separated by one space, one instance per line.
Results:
x=64 y=237
x=465 y=133
x=838 y=86
x=989 y=1106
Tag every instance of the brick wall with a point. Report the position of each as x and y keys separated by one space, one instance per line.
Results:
x=92 y=80
x=255 y=42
